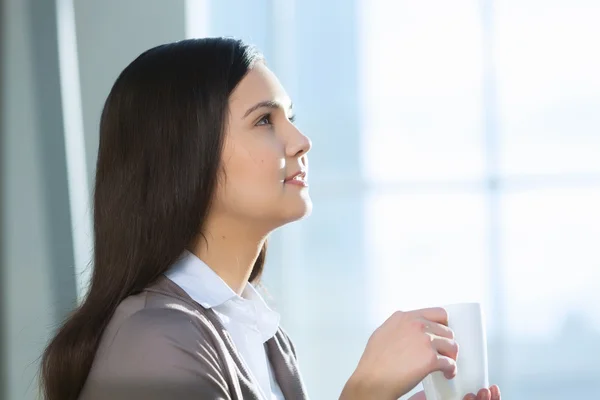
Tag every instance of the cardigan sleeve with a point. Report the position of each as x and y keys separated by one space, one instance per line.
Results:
x=158 y=354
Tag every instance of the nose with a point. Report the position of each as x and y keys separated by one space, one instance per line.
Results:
x=298 y=144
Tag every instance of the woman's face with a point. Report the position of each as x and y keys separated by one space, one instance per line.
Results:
x=264 y=161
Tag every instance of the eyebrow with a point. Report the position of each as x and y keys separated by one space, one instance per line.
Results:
x=267 y=104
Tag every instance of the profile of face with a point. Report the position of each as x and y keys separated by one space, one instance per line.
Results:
x=264 y=174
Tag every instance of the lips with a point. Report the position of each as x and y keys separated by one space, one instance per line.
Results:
x=299 y=176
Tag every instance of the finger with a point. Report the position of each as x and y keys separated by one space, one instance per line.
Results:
x=495 y=391
x=438 y=329
x=444 y=346
x=483 y=394
x=470 y=396
x=445 y=365
x=435 y=314
x=419 y=396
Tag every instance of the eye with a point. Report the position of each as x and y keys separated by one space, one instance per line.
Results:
x=292 y=118
x=264 y=120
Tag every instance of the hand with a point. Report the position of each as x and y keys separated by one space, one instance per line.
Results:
x=401 y=352
x=484 y=394
x=493 y=393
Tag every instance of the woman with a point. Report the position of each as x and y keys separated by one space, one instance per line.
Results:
x=199 y=160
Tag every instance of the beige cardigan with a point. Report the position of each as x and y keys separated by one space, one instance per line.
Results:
x=160 y=344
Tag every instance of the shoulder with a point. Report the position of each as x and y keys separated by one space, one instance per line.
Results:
x=164 y=333
x=172 y=321
x=172 y=347
x=156 y=327
x=170 y=317
x=157 y=315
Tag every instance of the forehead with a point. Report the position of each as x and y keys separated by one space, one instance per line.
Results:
x=259 y=84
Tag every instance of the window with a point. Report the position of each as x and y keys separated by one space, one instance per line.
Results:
x=456 y=158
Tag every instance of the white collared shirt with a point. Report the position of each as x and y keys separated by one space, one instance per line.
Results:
x=247 y=318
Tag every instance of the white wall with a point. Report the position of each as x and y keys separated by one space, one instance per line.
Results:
x=37 y=258
x=38 y=283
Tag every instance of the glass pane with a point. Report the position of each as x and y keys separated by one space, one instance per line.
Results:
x=240 y=19
x=424 y=250
x=548 y=85
x=552 y=294
x=324 y=290
x=420 y=76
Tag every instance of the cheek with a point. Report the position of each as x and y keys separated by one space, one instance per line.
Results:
x=254 y=174
x=258 y=166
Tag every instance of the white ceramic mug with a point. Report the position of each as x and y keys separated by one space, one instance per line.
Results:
x=467 y=322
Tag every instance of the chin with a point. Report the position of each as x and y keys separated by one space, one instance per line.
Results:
x=306 y=210
x=300 y=209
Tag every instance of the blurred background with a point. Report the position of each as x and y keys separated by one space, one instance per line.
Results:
x=456 y=158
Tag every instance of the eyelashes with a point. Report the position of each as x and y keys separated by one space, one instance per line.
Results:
x=264 y=120
x=267 y=119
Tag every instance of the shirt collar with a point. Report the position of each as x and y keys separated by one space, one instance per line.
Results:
x=207 y=288
x=199 y=281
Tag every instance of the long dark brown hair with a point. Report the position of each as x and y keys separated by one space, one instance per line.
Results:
x=161 y=136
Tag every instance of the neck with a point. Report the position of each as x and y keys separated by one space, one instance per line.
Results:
x=230 y=248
